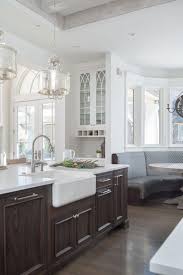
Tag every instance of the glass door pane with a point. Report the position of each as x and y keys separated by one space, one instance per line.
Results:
x=100 y=97
x=48 y=129
x=130 y=137
x=152 y=118
x=85 y=99
x=25 y=130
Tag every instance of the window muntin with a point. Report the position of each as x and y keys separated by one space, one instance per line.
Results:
x=130 y=117
x=29 y=83
x=152 y=116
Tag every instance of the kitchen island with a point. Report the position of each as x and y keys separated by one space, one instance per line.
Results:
x=47 y=218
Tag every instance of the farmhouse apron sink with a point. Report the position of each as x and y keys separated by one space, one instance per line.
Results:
x=69 y=186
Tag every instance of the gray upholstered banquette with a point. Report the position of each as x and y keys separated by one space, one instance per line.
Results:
x=144 y=179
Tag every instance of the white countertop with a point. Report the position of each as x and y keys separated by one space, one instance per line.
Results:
x=168 y=260
x=10 y=179
x=97 y=170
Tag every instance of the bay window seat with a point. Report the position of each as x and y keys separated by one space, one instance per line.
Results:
x=143 y=181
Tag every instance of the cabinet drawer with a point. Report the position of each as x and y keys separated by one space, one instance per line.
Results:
x=25 y=195
x=104 y=205
x=104 y=180
x=120 y=172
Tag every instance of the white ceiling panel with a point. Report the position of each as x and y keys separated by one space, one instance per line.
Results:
x=151 y=38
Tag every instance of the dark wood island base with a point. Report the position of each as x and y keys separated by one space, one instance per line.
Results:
x=36 y=238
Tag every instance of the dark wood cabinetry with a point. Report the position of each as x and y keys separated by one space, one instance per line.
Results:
x=23 y=231
x=111 y=200
x=73 y=227
x=120 y=190
x=64 y=235
x=104 y=202
x=36 y=238
x=85 y=225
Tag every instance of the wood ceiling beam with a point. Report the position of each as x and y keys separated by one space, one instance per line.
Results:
x=105 y=11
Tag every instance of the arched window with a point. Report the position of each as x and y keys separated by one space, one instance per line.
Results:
x=28 y=83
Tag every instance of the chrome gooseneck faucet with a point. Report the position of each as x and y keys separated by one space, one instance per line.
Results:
x=33 y=161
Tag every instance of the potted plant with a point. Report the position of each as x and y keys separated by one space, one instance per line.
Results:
x=99 y=153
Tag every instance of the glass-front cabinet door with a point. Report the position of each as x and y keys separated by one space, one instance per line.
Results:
x=92 y=97
x=85 y=99
x=100 y=97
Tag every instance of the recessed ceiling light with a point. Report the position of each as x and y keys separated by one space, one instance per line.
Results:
x=132 y=34
x=76 y=46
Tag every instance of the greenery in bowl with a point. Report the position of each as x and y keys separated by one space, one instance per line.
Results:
x=80 y=164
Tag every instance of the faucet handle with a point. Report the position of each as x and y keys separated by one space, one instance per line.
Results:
x=39 y=154
x=41 y=163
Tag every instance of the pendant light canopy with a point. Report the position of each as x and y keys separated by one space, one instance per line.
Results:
x=53 y=83
x=8 y=66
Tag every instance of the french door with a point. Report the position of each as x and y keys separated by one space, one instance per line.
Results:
x=30 y=119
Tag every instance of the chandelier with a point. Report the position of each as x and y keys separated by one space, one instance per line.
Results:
x=8 y=66
x=178 y=106
x=53 y=83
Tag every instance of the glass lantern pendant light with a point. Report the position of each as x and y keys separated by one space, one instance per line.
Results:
x=8 y=66
x=53 y=83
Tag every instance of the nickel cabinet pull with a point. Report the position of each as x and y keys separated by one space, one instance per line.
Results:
x=119 y=176
x=34 y=195
x=105 y=192
x=76 y=216
x=104 y=180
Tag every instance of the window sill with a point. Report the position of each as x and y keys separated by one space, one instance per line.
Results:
x=151 y=147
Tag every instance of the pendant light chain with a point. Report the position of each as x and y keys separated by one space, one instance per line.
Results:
x=54 y=29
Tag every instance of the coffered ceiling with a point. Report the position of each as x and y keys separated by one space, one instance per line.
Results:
x=67 y=7
x=148 y=37
x=73 y=13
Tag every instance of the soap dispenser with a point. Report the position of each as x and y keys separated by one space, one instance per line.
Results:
x=3 y=159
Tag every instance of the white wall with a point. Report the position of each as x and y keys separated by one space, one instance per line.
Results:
x=28 y=54
x=115 y=105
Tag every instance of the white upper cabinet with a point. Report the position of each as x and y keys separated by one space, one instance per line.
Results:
x=92 y=88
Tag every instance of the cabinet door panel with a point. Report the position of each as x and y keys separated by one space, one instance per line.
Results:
x=118 y=197
x=64 y=236
x=24 y=236
x=85 y=222
x=104 y=208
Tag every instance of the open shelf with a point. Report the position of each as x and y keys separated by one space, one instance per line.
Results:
x=90 y=133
